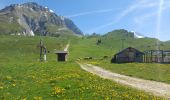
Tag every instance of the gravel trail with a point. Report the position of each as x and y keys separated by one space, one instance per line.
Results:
x=156 y=88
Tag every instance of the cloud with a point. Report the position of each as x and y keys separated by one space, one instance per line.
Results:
x=148 y=5
x=90 y=12
x=143 y=4
x=136 y=6
x=141 y=18
x=167 y=5
x=125 y=12
x=101 y=27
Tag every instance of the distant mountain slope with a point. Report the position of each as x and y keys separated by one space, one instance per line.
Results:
x=31 y=18
x=120 y=33
x=117 y=40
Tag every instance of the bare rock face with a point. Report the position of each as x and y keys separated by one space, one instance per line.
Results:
x=32 y=19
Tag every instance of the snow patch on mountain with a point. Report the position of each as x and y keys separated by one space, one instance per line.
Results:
x=51 y=11
x=32 y=33
x=138 y=35
x=62 y=18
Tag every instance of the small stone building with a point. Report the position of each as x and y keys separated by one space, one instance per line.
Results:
x=62 y=55
x=128 y=55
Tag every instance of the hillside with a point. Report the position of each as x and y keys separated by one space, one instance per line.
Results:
x=22 y=76
x=46 y=56
x=26 y=49
x=33 y=19
x=80 y=47
x=111 y=43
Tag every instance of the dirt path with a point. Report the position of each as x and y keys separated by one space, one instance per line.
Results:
x=156 y=88
x=66 y=48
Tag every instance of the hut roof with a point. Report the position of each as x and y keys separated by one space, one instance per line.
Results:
x=61 y=52
x=129 y=48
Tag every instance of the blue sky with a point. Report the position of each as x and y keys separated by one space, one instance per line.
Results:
x=148 y=17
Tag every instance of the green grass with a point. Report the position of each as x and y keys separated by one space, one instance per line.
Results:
x=59 y=80
x=86 y=47
x=156 y=72
x=26 y=49
x=110 y=45
x=22 y=76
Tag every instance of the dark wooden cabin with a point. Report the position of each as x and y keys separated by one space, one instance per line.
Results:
x=128 y=55
x=61 y=55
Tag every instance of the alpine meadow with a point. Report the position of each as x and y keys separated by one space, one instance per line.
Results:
x=48 y=56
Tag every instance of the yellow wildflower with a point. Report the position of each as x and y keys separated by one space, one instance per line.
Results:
x=37 y=98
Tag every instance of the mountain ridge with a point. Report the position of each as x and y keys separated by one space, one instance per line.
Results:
x=31 y=19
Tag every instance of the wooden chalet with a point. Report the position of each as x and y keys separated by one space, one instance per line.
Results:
x=128 y=55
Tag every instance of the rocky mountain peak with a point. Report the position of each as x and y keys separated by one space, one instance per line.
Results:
x=32 y=19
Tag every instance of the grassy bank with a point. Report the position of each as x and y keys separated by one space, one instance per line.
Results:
x=156 y=72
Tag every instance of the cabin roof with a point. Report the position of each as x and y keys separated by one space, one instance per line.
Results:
x=61 y=52
x=129 y=48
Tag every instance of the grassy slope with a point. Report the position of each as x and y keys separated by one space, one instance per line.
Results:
x=25 y=49
x=84 y=47
x=113 y=40
x=156 y=72
x=22 y=76
x=87 y=48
